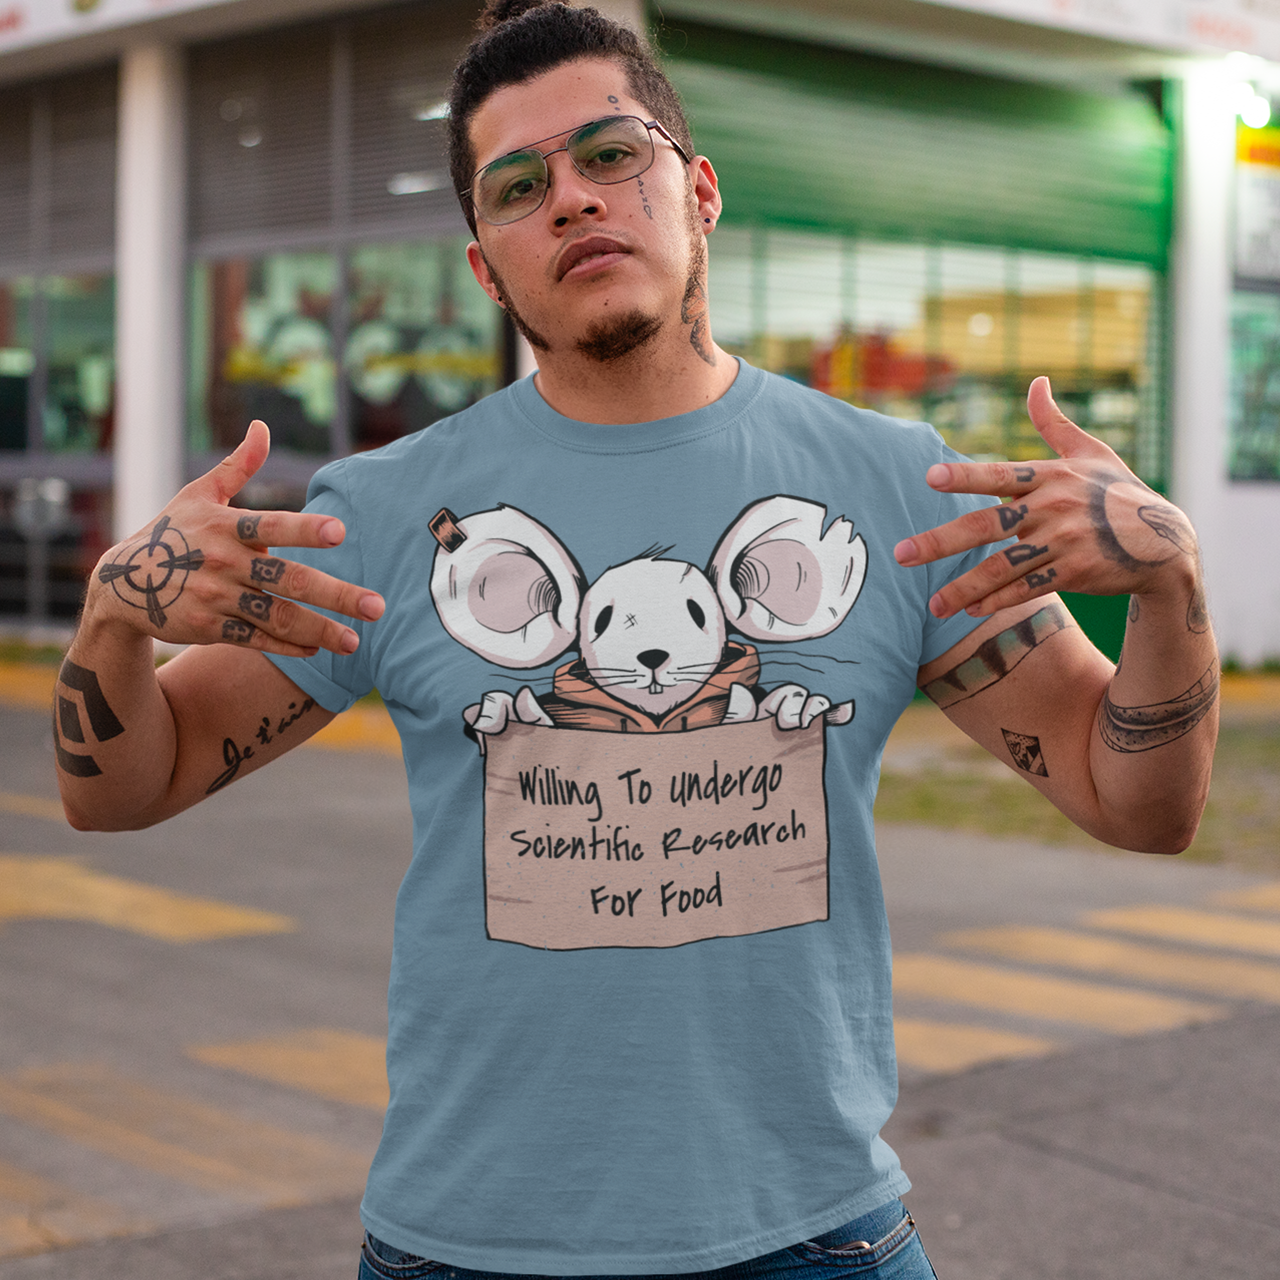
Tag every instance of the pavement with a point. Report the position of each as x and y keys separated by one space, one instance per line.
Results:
x=192 y=1021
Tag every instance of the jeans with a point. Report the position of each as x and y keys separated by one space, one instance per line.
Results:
x=881 y=1245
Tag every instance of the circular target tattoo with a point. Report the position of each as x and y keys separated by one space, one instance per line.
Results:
x=154 y=573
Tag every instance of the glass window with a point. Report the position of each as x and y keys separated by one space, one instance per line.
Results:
x=261 y=344
x=17 y=361
x=80 y=339
x=424 y=338
x=952 y=334
x=1255 y=386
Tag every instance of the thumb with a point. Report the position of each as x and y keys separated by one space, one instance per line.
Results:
x=238 y=468
x=1055 y=428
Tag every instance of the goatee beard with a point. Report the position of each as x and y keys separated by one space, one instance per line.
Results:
x=614 y=339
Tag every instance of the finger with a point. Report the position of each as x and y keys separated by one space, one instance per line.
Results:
x=1057 y=430
x=1000 y=479
x=973 y=529
x=239 y=467
x=237 y=631
x=785 y=704
x=495 y=711
x=812 y=708
x=742 y=706
x=996 y=578
x=841 y=713
x=309 y=586
x=528 y=709
x=288 y=529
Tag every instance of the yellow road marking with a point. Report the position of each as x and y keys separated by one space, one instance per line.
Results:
x=362 y=728
x=35 y=888
x=1039 y=996
x=341 y=1065
x=28 y=685
x=1183 y=924
x=36 y=1215
x=1265 y=897
x=180 y=1138
x=952 y=1046
x=1163 y=966
x=31 y=806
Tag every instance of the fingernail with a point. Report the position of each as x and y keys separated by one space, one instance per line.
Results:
x=350 y=642
x=938 y=475
x=371 y=606
x=905 y=551
x=937 y=608
x=331 y=532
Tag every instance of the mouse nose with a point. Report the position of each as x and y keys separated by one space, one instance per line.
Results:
x=652 y=658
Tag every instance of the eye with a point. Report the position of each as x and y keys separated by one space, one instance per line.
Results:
x=695 y=612
x=603 y=618
x=520 y=189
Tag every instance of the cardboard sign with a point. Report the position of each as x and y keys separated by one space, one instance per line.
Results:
x=653 y=840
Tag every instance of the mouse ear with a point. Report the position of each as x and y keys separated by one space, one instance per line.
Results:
x=505 y=587
x=780 y=578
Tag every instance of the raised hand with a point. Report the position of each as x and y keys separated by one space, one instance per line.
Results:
x=201 y=573
x=1084 y=522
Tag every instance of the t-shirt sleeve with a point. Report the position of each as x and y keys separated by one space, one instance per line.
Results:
x=941 y=633
x=334 y=680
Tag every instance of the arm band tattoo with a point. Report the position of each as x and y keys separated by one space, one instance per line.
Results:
x=995 y=658
x=67 y=726
x=1132 y=729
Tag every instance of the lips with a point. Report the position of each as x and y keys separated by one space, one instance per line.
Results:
x=585 y=250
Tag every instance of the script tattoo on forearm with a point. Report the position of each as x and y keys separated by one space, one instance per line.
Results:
x=1131 y=729
x=693 y=311
x=153 y=573
x=247 y=528
x=1026 y=753
x=993 y=659
x=233 y=756
x=68 y=727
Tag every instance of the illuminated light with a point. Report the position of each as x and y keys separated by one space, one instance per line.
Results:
x=981 y=325
x=436 y=111
x=1256 y=112
x=250 y=137
x=409 y=184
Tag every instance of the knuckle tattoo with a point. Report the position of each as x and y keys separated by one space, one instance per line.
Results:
x=256 y=606
x=237 y=631
x=267 y=569
x=247 y=528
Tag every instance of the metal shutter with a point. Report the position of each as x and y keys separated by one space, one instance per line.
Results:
x=808 y=136
x=401 y=63
x=260 y=125
x=15 y=180
x=82 y=167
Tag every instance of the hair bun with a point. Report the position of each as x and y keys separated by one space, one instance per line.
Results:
x=496 y=12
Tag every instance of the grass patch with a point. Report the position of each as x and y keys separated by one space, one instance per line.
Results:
x=1241 y=823
x=18 y=651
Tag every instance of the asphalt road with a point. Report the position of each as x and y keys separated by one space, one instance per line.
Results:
x=191 y=1022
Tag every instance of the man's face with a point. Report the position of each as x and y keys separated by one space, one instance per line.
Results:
x=597 y=269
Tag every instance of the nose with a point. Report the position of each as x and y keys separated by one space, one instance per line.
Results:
x=652 y=658
x=569 y=194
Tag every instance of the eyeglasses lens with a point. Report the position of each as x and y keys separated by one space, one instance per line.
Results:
x=605 y=151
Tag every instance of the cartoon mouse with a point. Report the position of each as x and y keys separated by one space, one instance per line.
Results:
x=651 y=634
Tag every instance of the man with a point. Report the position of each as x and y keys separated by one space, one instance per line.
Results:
x=640 y=1000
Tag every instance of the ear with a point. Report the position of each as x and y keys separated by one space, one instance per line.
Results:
x=480 y=269
x=706 y=190
x=505 y=587
x=780 y=578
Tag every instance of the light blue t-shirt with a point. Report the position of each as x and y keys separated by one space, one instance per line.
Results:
x=640 y=1015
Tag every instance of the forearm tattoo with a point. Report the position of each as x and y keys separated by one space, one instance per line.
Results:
x=69 y=728
x=234 y=756
x=995 y=658
x=1131 y=729
x=153 y=573
x=1026 y=752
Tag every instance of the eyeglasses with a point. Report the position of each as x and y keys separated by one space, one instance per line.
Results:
x=606 y=151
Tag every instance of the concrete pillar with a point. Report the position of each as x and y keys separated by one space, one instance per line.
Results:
x=150 y=274
x=1235 y=521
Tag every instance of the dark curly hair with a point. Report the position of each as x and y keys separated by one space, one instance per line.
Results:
x=521 y=39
